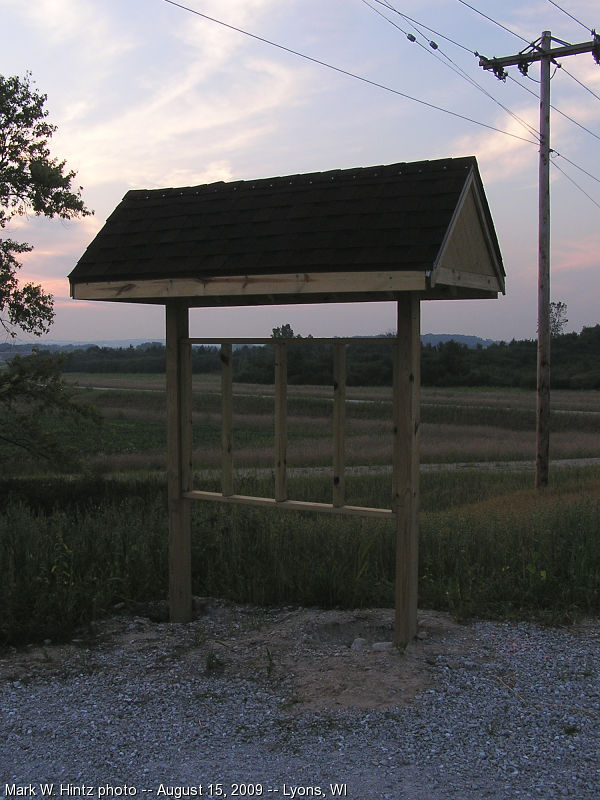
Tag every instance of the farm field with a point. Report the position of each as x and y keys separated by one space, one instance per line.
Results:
x=457 y=425
x=76 y=544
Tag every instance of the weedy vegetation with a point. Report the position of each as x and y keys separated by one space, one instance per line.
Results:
x=73 y=546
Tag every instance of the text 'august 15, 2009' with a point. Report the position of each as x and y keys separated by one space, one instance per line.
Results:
x=216 y=789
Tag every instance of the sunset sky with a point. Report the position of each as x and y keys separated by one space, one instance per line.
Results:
x=146 y=94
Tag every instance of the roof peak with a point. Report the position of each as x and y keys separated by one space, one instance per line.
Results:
x=325 y=177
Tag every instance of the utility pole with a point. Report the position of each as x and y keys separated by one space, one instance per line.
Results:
x=542 y=51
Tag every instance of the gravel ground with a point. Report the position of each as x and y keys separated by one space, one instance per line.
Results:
x=214 y=708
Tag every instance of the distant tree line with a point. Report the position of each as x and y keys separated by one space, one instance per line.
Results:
x=575 y=362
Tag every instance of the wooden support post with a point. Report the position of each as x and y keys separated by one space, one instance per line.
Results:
x=407 y=378
x=339 y=418
x=542 y=458
x=227 y=419
x=280 y=421
x=179 y=459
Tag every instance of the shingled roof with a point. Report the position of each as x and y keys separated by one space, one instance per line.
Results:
x=429 y=220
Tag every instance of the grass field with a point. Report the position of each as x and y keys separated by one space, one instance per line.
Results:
x=456 y=425
x=72 y=546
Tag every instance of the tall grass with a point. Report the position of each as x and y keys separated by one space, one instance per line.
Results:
x=71 y=550
x=525 y=555
x=64 y=568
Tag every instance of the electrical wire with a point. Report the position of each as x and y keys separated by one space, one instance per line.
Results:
x=463 y=74
x=348 y=73
x=499 y=24
x=573 y=164
x=590 y=30
x=574 y=121
x=459 y=71
x=397 y=92
x=467 y=77
x=569 y=178
x=578 y=21
x=435 y=51
x=555 y=108
x=425 y=27
x=387 y=19
x=587 y=88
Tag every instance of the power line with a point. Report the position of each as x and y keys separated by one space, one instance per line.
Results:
x=499 y=24
x=422 y=25
x=546 y=55
x=573 y=164
x=409 y=36
x=456 y=68
x=587 y=88
x=435 y=51
x=349 y=74
x=579 y=22
x=555 y=108
x=574 y=121
x=387 y=4
x=569 y=178
x=524 y=71
x=461 y=73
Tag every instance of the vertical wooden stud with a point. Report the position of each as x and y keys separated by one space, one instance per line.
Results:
x=179 y=459
x=227 y=419
x=407 y=378
x=339 y=418
x=280 y=421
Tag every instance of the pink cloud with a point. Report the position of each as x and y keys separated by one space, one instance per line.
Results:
x=577 y=254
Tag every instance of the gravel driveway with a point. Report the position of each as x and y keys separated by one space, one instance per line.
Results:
x=295 y=703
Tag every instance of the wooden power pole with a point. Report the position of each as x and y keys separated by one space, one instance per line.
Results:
x=542 y=51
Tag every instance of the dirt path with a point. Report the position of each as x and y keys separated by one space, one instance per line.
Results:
x=318 y=658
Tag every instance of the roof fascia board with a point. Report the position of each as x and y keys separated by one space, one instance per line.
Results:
x=299 y=285
x=468 y=280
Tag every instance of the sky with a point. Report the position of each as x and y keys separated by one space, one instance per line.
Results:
x=146 y=94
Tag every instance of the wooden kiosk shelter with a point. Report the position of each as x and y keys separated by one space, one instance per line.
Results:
x=401 y=232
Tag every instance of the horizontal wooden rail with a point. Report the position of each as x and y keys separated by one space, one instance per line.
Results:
x=292 y=505
x=289 y=339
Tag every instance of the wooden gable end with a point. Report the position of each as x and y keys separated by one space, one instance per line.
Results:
x=468 y=257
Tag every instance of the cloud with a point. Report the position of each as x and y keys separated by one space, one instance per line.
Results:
x=577 y=254
x=173 y=94
x=182 y=125
x=501 y=157
x=213 y=172
x=56 y=248
x=215 y=40
x=81 y=24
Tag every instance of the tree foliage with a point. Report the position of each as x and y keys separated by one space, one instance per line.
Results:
x=32 y=390
x=575 y=362
x=31 y=182
x=284 y=331
x=558 y=317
